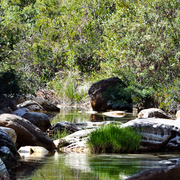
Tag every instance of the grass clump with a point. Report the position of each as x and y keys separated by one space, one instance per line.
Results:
x=113 y=139
x=58 y=134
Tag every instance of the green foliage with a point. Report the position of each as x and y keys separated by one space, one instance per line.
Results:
x=119 y=96
x=169 y=96
x=60 y=134
x=142 y=95
x=113 y=139
x=135 y=40
x=13 y=84
x=140 y=38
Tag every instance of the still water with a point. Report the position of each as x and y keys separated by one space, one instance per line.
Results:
x=67 y=166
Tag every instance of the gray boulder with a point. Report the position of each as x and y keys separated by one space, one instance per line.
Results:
x=157 y=134
x=37 y=104
x=153 y=112
x=40 y=120
x=27 y=133
x=21 y=111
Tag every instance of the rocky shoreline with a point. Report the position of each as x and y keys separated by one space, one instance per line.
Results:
x=23 y=129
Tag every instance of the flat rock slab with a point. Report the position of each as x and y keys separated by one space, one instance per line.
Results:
x=158 y=134
x=75 y=142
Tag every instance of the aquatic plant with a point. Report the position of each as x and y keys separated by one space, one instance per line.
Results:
x=113 y=139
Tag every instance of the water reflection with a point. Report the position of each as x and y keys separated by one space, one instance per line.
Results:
x=76 y=116
x=88 y=166
x=26 y=167
x=77 y=161
x=99 y=117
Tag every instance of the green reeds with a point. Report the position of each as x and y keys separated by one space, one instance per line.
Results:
x=113 y=139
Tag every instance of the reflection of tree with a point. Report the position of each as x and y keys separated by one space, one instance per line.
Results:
x=114 y=168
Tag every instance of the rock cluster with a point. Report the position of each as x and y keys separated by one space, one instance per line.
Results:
x=20 y=127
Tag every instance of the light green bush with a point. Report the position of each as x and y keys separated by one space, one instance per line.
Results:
x=113 y=139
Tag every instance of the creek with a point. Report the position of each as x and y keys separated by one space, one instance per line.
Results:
x=75 y=166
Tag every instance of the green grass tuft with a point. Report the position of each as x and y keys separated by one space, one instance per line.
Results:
x=113 y=139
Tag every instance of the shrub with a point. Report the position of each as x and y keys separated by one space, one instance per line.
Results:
x=113 y=139
x=67 y=87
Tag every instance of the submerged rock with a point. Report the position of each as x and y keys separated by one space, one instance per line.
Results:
x=33 y=149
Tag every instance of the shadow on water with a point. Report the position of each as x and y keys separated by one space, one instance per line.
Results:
x=27 y=166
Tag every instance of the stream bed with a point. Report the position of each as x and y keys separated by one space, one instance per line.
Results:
x=75 y=166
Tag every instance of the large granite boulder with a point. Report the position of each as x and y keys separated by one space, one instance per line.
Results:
x=153 y=112
x=110 y=94
x=157 y=134
x=41 y=120
x=27 y=133
x=8 y=151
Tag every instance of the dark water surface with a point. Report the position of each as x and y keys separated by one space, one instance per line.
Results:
x=67 y=166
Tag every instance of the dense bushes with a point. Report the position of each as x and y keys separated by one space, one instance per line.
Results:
x=135 y=40
x=11 y=84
